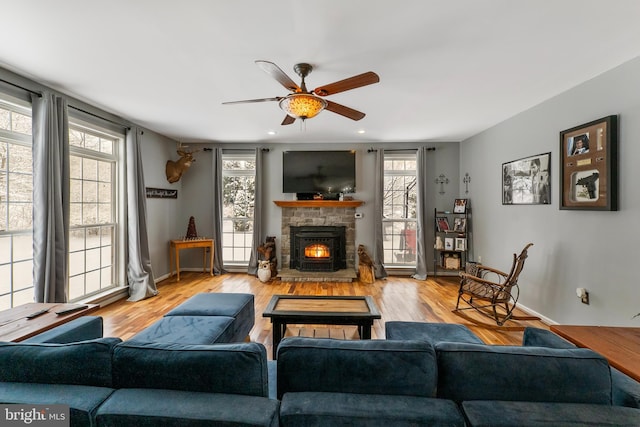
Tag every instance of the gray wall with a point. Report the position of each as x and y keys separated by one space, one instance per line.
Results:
x=163 y=215
x=590 y=249
x=168 y=218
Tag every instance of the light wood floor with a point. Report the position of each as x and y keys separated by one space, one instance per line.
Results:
x=398 y=298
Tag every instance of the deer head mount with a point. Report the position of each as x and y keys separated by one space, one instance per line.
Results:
x=174 y=170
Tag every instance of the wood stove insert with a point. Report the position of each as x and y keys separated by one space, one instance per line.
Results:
x=318 y=248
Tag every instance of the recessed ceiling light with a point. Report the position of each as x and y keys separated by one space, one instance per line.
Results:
x=272 y=132
x=361 y=131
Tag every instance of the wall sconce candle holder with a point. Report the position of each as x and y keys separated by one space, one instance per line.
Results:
x=442 y=180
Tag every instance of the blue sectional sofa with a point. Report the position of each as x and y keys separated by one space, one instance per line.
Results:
x=183 y=370
x=181 y=373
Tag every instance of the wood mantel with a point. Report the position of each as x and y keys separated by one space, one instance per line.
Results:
x=318 y=203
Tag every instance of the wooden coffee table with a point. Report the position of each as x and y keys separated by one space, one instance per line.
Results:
x=15 y=326
x=325 y=310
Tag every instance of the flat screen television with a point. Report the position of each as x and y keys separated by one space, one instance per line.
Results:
x=325 y=172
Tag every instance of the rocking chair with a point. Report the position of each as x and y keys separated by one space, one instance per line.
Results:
x=491 y=292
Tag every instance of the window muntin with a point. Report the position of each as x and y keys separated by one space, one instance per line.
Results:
x=238 y=189
x=400 y=209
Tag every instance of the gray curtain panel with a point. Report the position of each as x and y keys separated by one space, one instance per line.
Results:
x=217 y=210
x=50 y=128
x=378 y=251
x=422 y=229
x=257 y=214
x=139 y=273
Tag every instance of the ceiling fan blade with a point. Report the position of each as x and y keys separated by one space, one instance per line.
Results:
x=287 y=120
x=344 y=111
x=246 y=101
x=360 y=80
x=274 y=71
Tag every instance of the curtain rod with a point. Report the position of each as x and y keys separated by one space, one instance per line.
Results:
x=371 y=150
x=39 y=94
x=127 y=127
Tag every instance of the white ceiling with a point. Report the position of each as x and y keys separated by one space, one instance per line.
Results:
x=448 y=68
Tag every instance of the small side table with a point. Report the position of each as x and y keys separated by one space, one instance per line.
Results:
x=177 y=245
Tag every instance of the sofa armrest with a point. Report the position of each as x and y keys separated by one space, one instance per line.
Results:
x=625 y=390
x=81 y=329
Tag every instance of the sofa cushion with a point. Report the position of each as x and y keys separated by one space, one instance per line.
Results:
x=83 y=401
x=537 y=414
x=188 y=330
x=536 y=374
x=430 y=332
x=152 y=407
x=366 y=366
x=80 y=329
x=215 y=304
x=236 y=305
x=81 y=363
x=366 y=410
x=625 y=390
x=239 y=368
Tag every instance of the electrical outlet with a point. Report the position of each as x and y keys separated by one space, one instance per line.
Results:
x=479 y=259
x=583 y=294
x=585 y=298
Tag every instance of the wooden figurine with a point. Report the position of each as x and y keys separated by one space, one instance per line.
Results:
x=191 y=230
x=365 y=266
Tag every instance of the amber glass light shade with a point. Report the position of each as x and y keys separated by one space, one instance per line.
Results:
x=302 y=105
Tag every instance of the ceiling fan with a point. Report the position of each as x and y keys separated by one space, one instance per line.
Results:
x=303 y=104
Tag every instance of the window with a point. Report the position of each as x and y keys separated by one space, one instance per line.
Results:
x=94 y=225
x=399 y=210
x=16 y=204
x=239 y=187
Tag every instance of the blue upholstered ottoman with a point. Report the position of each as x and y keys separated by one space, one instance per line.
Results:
x=188 y=330
x=235 y=305
x=430 y=332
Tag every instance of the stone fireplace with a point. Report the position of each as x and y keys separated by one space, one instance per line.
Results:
x=318 y=248
x=319 y=214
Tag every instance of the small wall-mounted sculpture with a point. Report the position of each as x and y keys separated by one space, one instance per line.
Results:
x=174 y=170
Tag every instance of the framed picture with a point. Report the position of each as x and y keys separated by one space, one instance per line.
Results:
x=460 y=206
x=527 y=181
x=448 y=244
x=460 y=225
x=461 y=244
x=589 y=166
x=443 y=223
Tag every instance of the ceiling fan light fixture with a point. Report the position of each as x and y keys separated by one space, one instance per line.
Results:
x=302 y=105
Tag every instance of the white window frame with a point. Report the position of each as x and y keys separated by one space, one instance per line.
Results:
x=118 y=206
x=237 y=245
x=25 y=293
x=398 y=250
